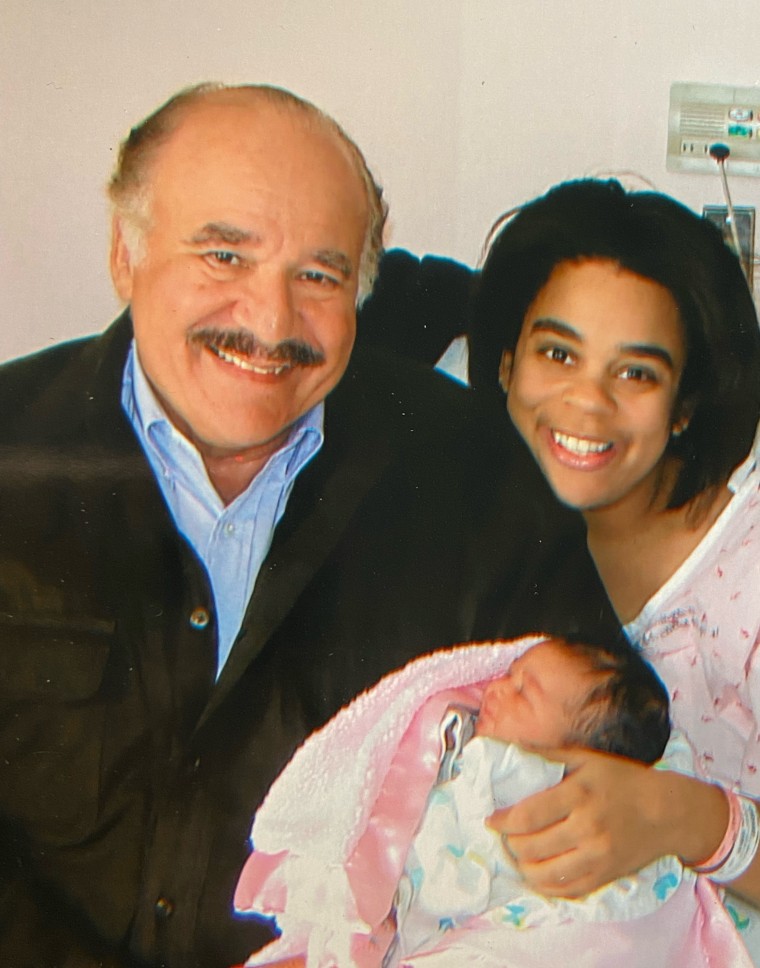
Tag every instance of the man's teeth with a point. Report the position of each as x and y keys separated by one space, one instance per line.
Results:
x=580 y=445
x=262 y=368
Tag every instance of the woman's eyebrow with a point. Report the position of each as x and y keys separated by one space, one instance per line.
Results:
x=547 y=324
x=650 y=350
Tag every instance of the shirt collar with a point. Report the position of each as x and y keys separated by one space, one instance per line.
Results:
x=156 y=431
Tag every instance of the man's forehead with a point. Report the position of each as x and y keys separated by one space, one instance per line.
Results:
x=241 y=138
x=240 y=120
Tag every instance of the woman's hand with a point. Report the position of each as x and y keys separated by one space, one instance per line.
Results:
x=608 y=817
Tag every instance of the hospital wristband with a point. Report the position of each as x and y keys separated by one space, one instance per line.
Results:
x=725 y=848
x=745 y=847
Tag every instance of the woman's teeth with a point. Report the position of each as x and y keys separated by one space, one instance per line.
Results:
x=581 y=446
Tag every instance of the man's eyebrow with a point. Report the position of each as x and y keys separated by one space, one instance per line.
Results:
x=216 y=232
x=335 y=259
x=221 y=232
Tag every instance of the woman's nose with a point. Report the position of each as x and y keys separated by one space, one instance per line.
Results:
x=589 y=393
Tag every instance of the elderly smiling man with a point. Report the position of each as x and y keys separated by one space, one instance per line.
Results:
x=218 y=524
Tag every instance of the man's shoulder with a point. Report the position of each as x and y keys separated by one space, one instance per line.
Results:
x=53 y=382
x=432 y=434
x=391 y=395
x=32 y=369
x=382 y=385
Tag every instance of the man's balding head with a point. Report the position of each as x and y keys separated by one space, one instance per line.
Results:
x=129 y=187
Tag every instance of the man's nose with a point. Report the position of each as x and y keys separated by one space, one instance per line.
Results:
x=265 y=305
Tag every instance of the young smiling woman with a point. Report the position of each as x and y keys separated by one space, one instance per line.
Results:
x=593 y=388
x=623 y=331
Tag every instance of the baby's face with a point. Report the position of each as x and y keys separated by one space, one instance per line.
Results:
x=535 y=703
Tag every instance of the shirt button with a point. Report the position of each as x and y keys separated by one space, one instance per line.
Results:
x=229 y=528
x=164 y=908
x=199 y=617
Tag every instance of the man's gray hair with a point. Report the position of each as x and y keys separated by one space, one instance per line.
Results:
x=129 y=187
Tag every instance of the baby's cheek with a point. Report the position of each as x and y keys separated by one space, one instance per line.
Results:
x=501 y=727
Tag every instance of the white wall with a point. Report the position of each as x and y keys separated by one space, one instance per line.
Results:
x=464 y=108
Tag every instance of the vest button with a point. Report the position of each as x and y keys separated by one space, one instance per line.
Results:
x=164 y=908
x=199 y=618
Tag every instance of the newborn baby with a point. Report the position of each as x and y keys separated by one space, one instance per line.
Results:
x=555 y=694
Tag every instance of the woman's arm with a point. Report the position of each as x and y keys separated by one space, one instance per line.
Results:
x=288 y=963
x=610 y=817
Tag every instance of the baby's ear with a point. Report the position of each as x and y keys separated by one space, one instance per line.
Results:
x=505 y=369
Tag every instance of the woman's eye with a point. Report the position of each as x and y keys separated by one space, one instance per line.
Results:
x=638 y=374
x=557 y=354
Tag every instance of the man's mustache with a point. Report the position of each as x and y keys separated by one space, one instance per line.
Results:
x=292 y=351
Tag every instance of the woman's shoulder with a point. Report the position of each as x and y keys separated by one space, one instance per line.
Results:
x=715 y=585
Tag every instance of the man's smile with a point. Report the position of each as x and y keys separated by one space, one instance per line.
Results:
x=261 y=367
x=244 y=350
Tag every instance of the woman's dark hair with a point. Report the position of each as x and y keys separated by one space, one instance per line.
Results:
x=627 y=711
x=656 y=238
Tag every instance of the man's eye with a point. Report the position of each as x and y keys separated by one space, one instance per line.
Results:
x=319 y=278
x=221 y=257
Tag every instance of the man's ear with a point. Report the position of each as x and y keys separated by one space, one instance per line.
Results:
x=505 y=369
x=120 y=261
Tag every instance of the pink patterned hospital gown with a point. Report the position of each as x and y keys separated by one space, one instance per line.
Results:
x=701 y=632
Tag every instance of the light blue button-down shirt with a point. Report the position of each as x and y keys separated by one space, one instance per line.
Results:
x=231 y=541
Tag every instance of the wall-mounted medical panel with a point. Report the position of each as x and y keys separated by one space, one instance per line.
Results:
x=702 y=115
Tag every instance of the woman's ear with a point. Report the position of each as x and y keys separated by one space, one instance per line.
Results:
x=682 y=418
x=505 y=369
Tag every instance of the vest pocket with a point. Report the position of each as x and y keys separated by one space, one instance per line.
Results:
x=51 y=723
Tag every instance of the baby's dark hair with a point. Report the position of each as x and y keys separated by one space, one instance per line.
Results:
x=626 y=712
